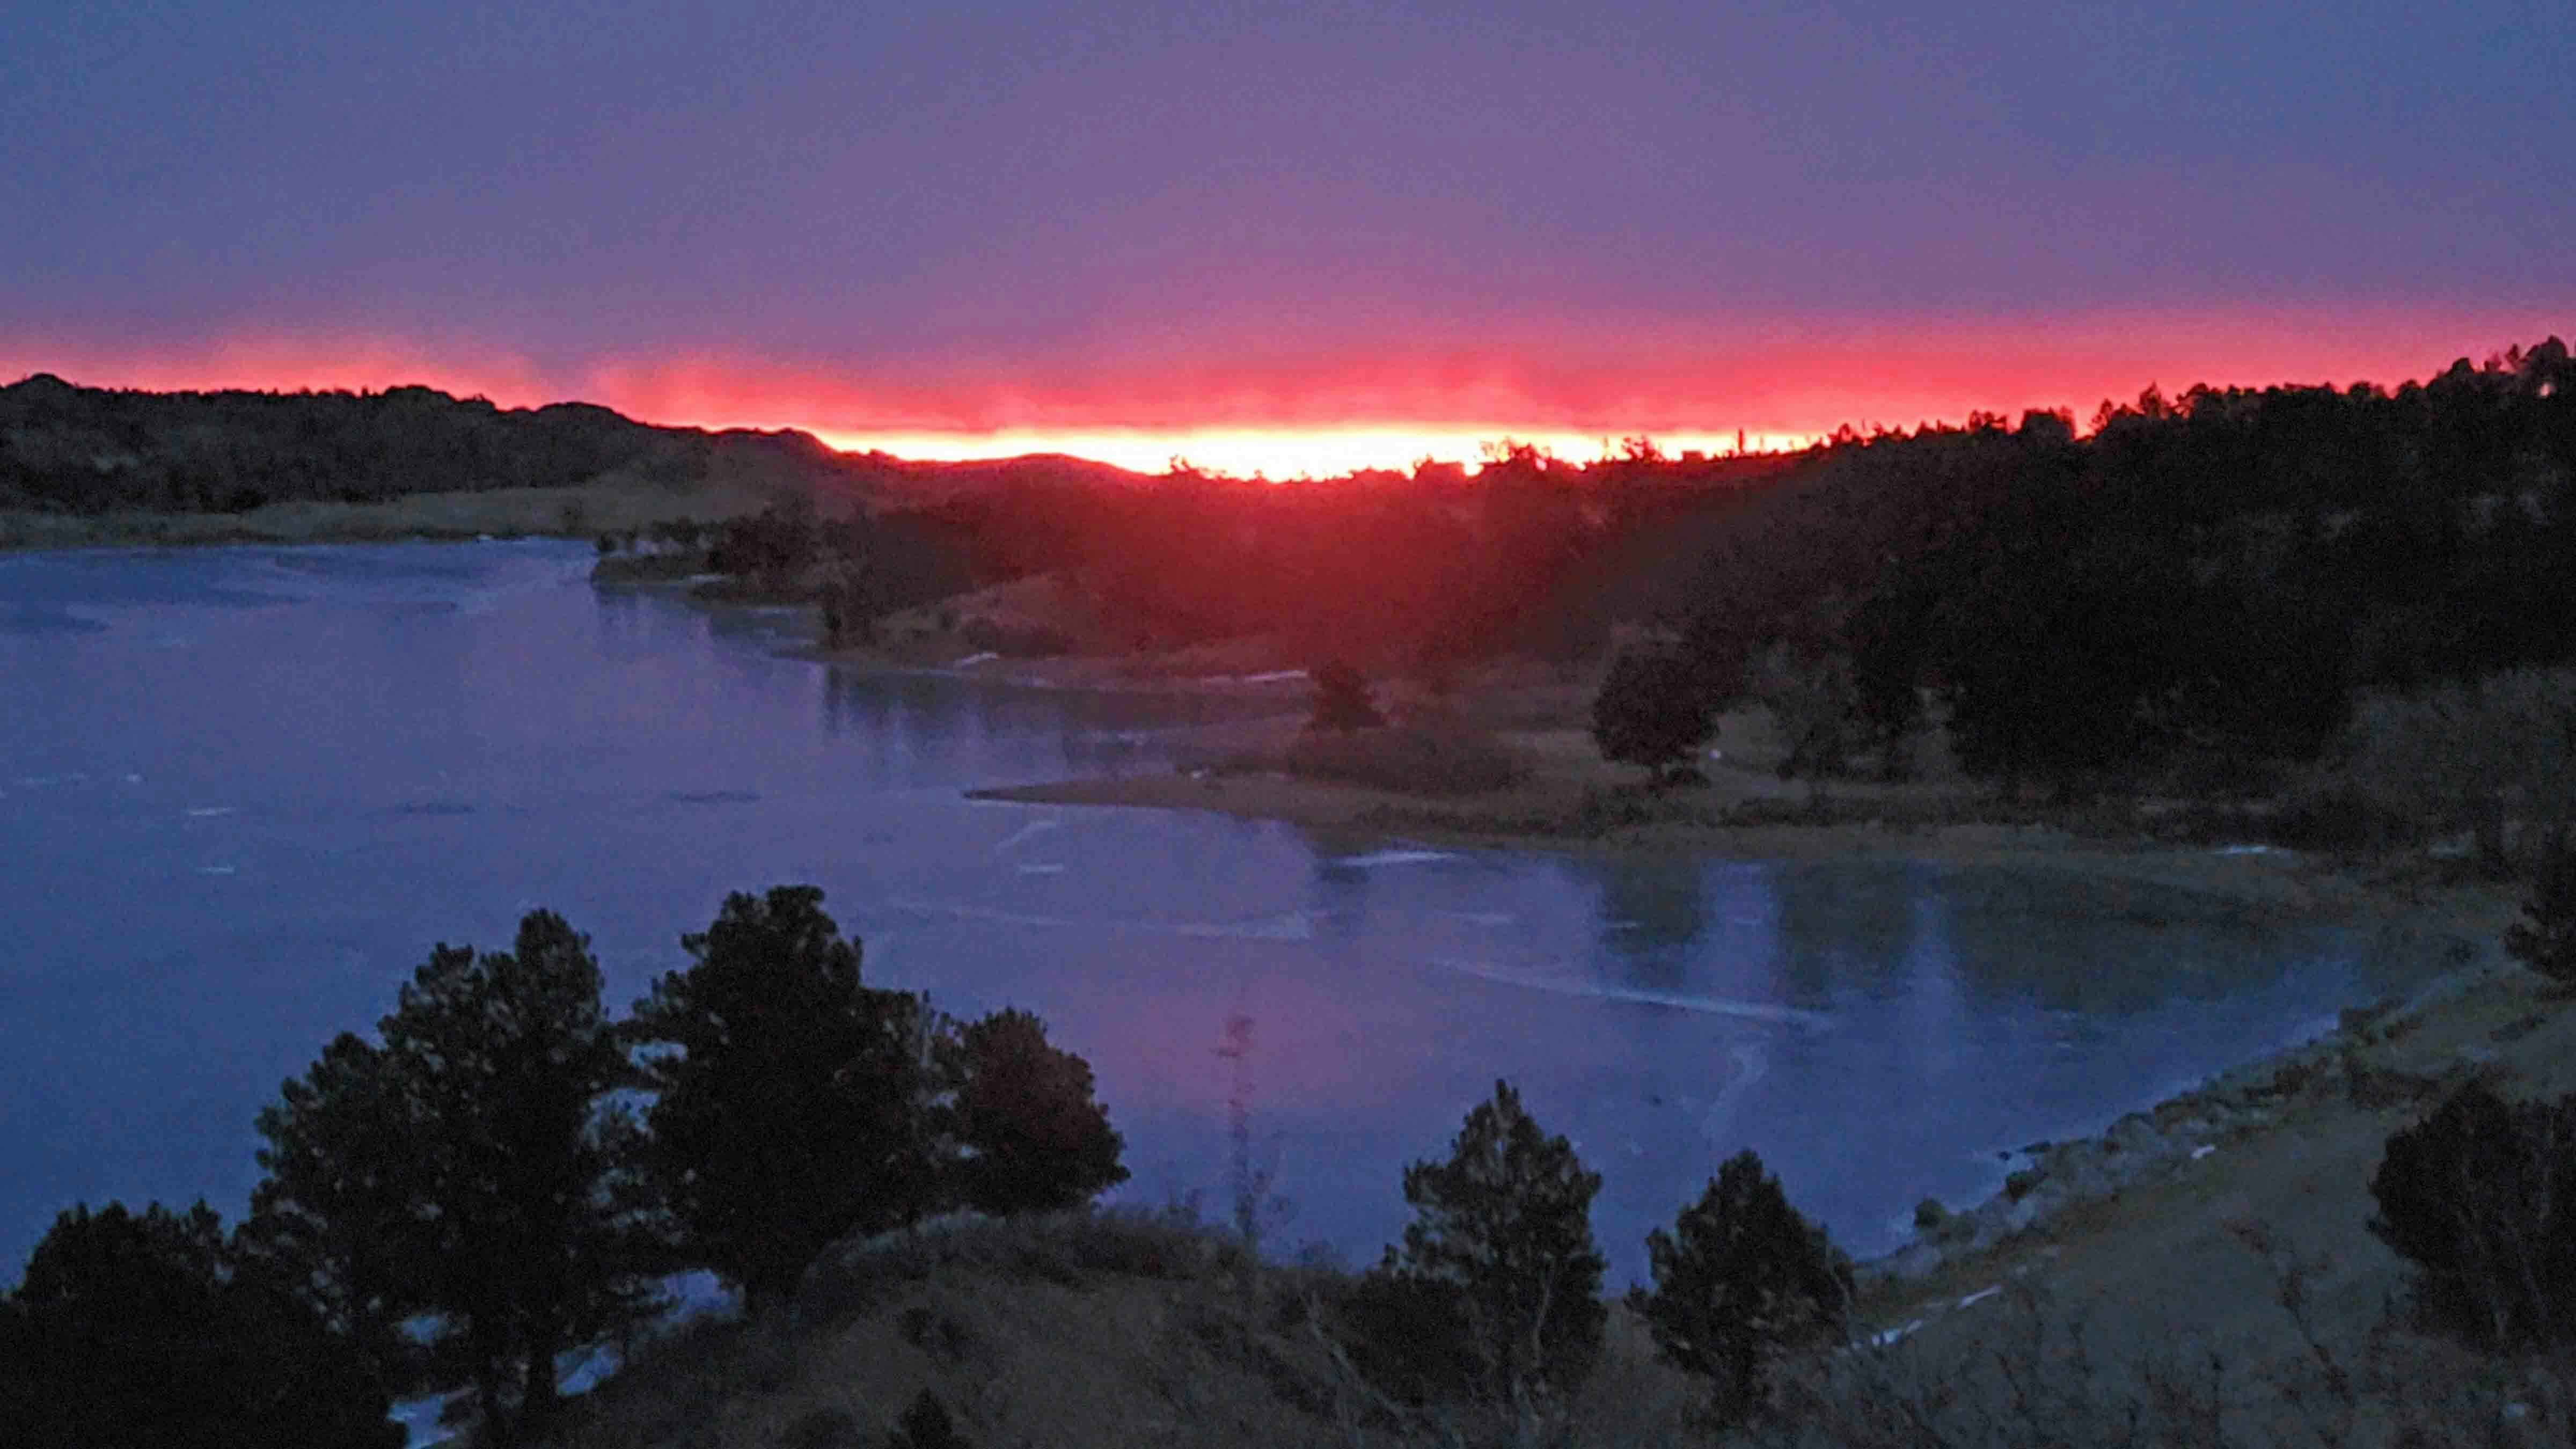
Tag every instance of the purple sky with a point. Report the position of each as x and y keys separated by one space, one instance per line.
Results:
x=1608 y=215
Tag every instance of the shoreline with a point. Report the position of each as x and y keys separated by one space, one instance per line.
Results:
x=2272 y=881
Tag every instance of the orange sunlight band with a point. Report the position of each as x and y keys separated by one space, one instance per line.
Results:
x=1369 y=407
x=1284 y=452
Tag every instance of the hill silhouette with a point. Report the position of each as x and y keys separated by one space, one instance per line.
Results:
x=89 y=452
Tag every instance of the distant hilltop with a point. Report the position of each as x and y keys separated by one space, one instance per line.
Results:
x=85 y=451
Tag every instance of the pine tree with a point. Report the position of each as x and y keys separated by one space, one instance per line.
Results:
x=144 y=1328
x=1505 y=1227
x=470 y=1167
x=1032 y=1135
x=794 y=1110
x=1741 y=1277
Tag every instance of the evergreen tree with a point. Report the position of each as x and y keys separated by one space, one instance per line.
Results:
x=1032 y=1136
x=1504 y=1226
x=793 y=1111
x=469 y=1168
x=334 y=1213
x=1741 y=1277
x=142 y=1329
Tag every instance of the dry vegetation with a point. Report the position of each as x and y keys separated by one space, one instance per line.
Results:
x=1123 y=1330
x=1106 y=1329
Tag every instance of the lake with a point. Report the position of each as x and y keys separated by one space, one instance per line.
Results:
x=244 y=790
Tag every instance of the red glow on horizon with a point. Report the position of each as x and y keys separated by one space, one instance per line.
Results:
x=1378 y=407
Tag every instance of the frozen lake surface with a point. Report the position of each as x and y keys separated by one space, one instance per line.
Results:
x=244 y=790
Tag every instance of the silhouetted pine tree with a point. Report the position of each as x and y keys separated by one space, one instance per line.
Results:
x=1739 y=1278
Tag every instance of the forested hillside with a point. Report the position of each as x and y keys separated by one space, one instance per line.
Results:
x=93 y=450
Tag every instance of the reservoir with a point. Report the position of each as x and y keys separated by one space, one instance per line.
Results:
x=243 y=791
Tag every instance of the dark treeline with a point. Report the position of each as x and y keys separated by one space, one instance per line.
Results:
x=2220 y=570
x=93 y=450
x=505 y=1172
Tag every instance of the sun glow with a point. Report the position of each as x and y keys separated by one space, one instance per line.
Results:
x=1368 y=406
x=1284 y=453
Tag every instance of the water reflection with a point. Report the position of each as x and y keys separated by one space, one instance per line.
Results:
x=1650 y=914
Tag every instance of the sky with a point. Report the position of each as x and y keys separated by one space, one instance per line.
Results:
x=1274 y=235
